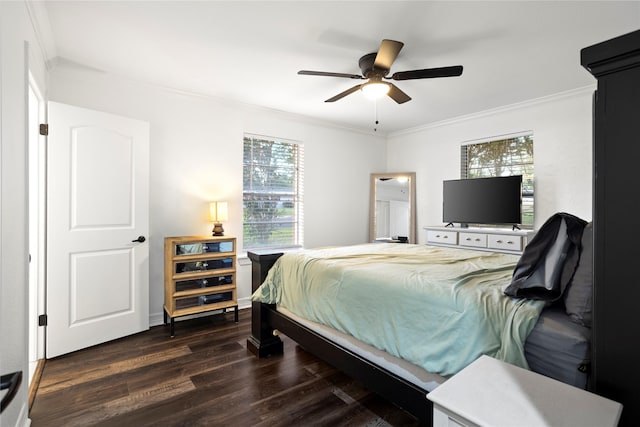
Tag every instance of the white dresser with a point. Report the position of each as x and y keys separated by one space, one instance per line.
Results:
x=492 y=393
x=488 y=239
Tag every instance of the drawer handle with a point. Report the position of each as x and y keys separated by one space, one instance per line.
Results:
x=477 y=239
x=468 y=239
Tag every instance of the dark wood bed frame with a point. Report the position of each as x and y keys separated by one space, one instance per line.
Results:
x=615 y=353
x=616 y=126
x=262 y=342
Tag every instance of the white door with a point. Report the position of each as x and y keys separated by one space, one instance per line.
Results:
x=97 y=206
x=399 y=218
x=37 y=228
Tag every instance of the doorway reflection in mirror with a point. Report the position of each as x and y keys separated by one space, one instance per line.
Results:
x=392 y=207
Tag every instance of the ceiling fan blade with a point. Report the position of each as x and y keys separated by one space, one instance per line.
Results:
x=343 y=94
x=388 y=52
x=428 y=73
x=397 y=95
x=324 y=73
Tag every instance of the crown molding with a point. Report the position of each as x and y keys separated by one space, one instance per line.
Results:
x=506 y=108
x=63 y=63
x=42 y=29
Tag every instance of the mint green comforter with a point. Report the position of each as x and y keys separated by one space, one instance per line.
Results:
x=439 y=308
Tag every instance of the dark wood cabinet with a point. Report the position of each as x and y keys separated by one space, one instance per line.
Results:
x=616 y=155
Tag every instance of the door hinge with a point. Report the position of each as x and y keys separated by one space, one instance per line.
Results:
x=42 y=320
x=44 y=129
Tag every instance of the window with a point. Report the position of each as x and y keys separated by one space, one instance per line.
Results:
x=273 y=171
x=503 y=157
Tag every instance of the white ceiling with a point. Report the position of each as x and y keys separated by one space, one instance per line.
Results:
x=251 y=51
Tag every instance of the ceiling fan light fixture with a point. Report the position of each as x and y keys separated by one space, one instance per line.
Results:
x=375 y=90
x=376 y=66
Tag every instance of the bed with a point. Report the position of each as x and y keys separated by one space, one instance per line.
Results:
x=531 y=333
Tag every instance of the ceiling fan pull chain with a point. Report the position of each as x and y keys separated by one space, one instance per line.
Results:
x=375 y=112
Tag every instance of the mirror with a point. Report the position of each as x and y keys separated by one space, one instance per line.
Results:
x=392 y=211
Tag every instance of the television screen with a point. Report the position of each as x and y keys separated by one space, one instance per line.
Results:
x=483 y=200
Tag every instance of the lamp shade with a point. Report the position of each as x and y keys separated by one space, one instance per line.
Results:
x=218 y=212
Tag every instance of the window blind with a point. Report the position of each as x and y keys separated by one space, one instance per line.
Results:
x=503 y=157
x=273 y=188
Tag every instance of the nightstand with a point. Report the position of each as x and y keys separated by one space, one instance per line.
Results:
x=492 y=393
x=199 y=276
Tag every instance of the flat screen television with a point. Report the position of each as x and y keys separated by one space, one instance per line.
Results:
x=496 y=200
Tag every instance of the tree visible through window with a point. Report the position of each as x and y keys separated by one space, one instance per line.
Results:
x=272 y=193
x=504 y=157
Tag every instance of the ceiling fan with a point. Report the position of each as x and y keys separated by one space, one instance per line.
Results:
x=376 y=66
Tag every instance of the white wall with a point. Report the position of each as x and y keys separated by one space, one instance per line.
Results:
x=196 y=157
x=19 y=50
x=561 y=126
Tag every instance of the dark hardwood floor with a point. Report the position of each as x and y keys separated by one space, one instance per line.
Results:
x=205 y=376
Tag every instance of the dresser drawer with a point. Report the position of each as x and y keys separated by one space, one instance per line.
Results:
x=204 y=265
x=205 y=282
x=201 y=300
x=480 y=239
x=505 y=242
x=437 y=236
x=476 y=240
x=197 y=248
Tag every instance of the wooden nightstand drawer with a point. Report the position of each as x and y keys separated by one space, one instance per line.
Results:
x=204 y=265
x=198 y=248
x=438 y=236
x=205 y=282
x=477 y=240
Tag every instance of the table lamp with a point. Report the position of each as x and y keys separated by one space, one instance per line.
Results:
x=218 y=213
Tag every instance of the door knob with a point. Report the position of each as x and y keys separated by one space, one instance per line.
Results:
x=140 y=239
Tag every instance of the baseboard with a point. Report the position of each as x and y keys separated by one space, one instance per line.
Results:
x=35 y=381
x=23 y=419
x=157 y=319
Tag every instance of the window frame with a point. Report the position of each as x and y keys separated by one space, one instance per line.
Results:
x=528 y=173
x=296 y=195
